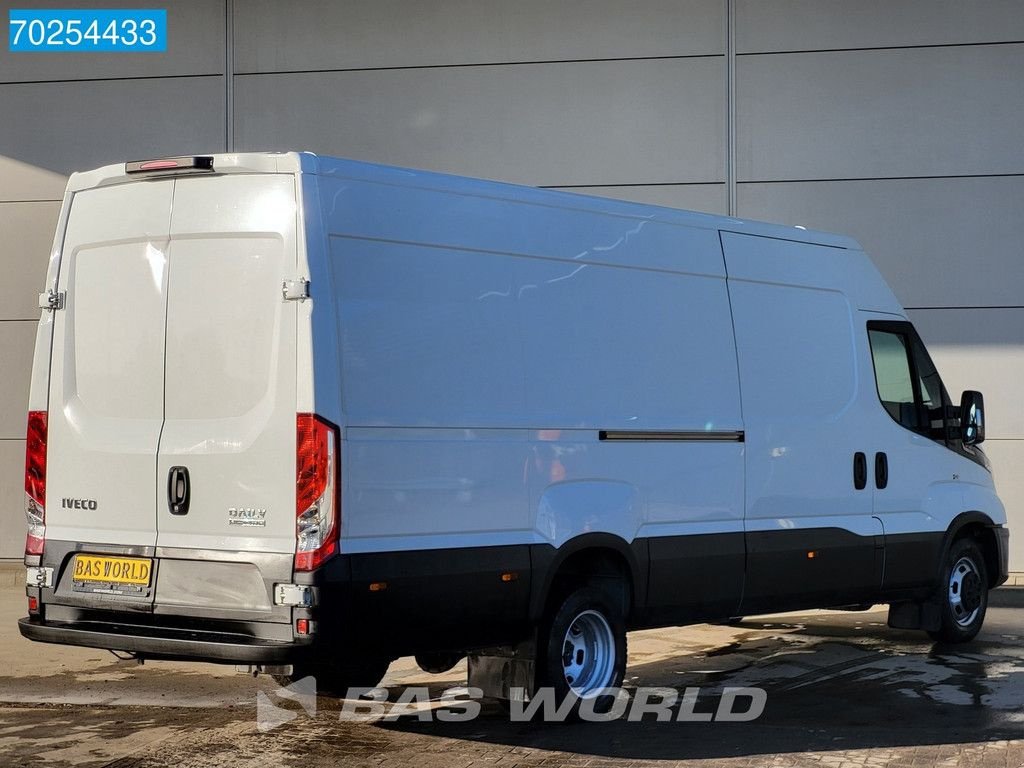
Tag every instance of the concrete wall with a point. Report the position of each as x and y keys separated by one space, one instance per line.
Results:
x=894 y=121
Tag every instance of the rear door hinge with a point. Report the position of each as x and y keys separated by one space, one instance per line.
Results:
x=51 y=300
x=295 y=290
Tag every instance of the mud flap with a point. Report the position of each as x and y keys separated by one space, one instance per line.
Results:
x=926 y=616
x=507 y=673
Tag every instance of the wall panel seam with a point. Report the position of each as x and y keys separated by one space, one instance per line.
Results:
x=109 y=79
x=994 y=43
x=229 y=76
x=730 y=107
x=634 y=184
x=470 y=65
x=886 y=178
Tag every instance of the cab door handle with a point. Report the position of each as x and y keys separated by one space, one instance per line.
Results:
x=881 y=470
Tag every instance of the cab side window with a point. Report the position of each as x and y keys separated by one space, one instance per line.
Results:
x=908 y=384
x=893 y=377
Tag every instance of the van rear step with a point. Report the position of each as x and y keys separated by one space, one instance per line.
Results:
x=162 y=642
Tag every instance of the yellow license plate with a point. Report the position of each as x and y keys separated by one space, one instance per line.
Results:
x=113 y=570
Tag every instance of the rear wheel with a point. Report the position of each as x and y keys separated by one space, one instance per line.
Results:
x=582 y=648
x=964 y=597
x=335 y=677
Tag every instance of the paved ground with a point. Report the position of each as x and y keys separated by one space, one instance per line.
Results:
x=842 y=690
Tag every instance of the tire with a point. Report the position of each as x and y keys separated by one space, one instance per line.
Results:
x=334 y=678
x=582 y=649
x=963 y=593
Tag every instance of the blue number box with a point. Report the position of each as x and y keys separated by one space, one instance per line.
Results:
x=64 y=30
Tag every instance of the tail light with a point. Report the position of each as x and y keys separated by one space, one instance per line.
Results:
x=35 y=482
x=317 y=497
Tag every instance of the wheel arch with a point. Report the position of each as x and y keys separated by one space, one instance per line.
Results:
x=977 y=525
x=589 y=558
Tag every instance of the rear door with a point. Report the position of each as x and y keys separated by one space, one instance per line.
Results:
x=106 y=382
x=228 y=437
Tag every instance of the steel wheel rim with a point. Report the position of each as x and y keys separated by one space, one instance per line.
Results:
x=964 y=592
x=588 y=654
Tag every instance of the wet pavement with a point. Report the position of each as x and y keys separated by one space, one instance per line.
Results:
x=842 y=690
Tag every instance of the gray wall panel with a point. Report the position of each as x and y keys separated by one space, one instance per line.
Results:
x=272 y=36
x=879 y=114
x=1007 y=457
x=44 y=125
x=17 y=339
x=195 y=46
x=24 y=253
x=706 y=198
x=21 y=181
x=799 y=25
x=550 y=124
x=12 y=498
x=939 y=242
x=980 y=349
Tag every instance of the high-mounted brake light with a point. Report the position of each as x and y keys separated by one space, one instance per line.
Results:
x=35 y=482
x=317 y=491
x=197 y=163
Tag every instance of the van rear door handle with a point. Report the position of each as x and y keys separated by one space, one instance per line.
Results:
x=881 y=470
x=860 y=471
x=178 y=490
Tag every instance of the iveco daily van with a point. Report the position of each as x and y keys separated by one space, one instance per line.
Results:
x=309 y=414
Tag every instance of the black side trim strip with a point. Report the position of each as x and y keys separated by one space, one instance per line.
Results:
x=724 y=436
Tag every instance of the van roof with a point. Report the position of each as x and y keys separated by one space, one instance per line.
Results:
x=309 y=162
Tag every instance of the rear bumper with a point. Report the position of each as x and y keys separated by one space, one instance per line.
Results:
x=163 y=643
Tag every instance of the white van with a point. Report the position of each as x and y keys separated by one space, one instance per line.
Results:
x=310 y=414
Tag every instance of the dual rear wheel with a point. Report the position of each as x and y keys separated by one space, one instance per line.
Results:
x=582 y=648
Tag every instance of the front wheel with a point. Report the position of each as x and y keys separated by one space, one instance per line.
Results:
x=583 y=648
x=964 y=596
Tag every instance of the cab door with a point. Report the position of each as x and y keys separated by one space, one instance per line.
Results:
x=917 y=475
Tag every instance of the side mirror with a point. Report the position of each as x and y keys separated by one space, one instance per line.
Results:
x=972 y=417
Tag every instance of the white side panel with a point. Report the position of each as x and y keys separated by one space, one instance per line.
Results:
x=447 y=338
x=486 y=343
x=230 y=380
x=106 y=383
